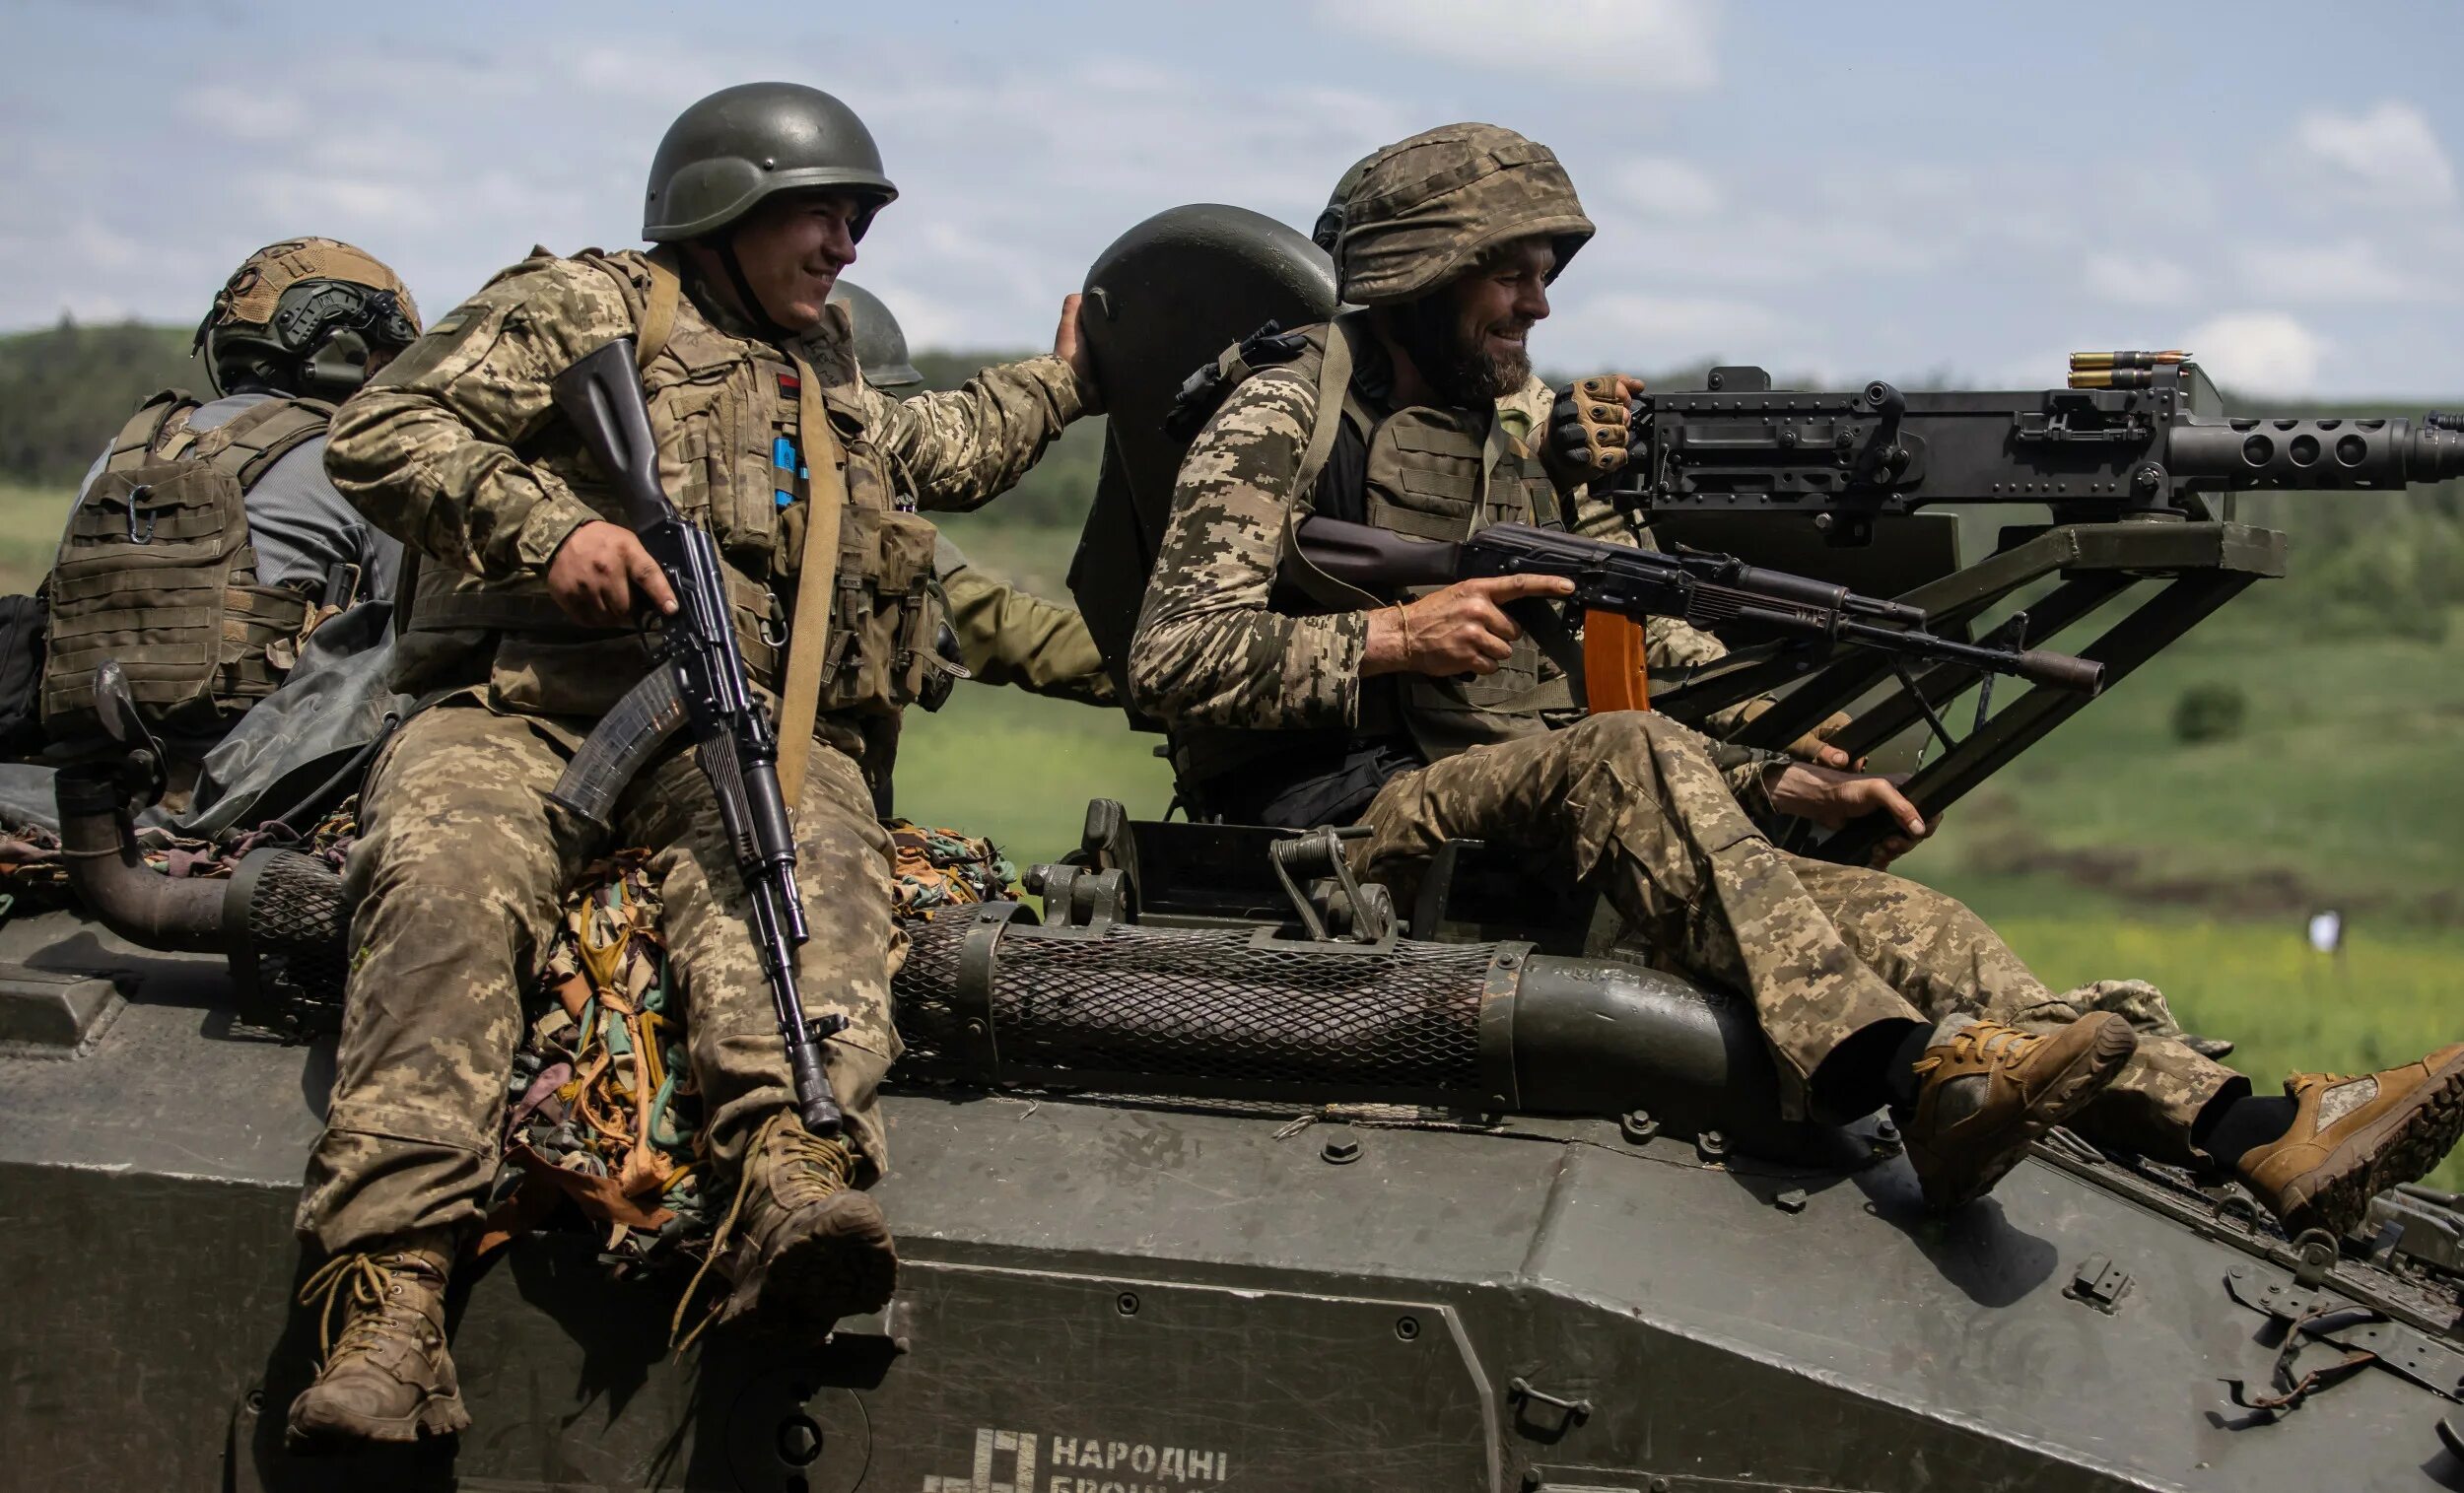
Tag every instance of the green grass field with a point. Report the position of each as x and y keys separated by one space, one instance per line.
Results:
x=29 y=534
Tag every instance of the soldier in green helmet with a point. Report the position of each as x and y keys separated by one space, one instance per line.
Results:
x=1293 y=703
x=523 y=633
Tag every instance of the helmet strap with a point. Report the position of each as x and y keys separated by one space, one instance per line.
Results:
x=723 y=243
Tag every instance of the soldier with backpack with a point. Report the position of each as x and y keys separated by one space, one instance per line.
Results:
x=207 y=544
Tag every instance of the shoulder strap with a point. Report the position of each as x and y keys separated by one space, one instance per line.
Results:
x=1334 y=382
x=133 y=446
x=658 y=312
x=659 y=298
x=816 y=583
x=248 y=445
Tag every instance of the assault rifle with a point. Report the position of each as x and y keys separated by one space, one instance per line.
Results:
x=1703 y=589
x=2136 y=435
x=700 y=682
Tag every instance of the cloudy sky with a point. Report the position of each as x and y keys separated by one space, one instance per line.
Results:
x=1887 y=189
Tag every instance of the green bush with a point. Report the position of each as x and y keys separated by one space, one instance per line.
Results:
x=2209 y=713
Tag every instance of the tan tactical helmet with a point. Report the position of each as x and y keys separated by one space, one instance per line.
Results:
x=1428 y=207
x=303 y=317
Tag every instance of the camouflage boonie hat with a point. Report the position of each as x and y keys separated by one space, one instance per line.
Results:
x=1428 y=207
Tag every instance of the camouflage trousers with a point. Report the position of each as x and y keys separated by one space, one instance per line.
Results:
x=460 y=881
x=1630 y=804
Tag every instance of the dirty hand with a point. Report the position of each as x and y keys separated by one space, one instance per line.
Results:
x=1587 y=429
x=1815 y=746
x=1461 y=630
x=1831 y=798
x=594 y=575
x=1070 y=347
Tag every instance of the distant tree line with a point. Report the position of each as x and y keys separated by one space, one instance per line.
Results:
x=2363 y=563
x=65 y=389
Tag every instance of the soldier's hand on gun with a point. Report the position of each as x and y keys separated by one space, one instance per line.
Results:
x=597 y=572
x=1461 y=630
x=1832 y=799
x=1589 y=427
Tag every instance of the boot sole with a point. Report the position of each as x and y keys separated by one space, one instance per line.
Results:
x=2072 y=1090
x=443 y=1416
x=840 y=1263
x=2403 y=1147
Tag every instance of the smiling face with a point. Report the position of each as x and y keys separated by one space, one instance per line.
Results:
x=1497 y=305
x=1468 y=337
x=792 y=248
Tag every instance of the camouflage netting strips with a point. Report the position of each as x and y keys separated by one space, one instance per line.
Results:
x=31 y=866
x=602 y=1111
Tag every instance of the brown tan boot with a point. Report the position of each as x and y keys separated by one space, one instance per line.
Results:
x=1988 y=1090
x=814 y=1249
x=2353 y=1138
x=386 y=1376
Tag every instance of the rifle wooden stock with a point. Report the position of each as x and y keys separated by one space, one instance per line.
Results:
x=1615 y=676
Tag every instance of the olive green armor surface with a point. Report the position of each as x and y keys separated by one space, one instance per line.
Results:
x=1432 y=474
x=155 y=571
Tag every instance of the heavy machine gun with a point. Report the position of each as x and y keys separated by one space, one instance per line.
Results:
x=2136 y=463
x=2136 y=435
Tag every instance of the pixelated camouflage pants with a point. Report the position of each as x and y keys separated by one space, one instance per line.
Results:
x=1631 y=805
x=460 y=881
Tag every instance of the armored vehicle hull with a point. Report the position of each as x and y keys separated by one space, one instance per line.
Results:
x=1106 y=1294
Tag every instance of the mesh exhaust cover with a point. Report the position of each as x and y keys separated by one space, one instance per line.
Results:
x=292 y=956
x=1199 y=1011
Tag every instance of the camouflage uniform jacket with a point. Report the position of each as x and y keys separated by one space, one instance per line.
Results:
x=1011 y=636
x=1213 y=649
x=456 y=450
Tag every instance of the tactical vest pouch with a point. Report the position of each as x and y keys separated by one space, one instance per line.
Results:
x=881 y=638
x=155 y=572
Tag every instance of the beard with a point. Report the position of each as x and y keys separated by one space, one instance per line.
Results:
x=1453 y=358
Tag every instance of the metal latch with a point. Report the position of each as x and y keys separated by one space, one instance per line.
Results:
x=2100 y=1283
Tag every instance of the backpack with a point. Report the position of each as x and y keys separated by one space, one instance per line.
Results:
x=155 y=571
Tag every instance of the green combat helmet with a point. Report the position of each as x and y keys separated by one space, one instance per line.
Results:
x=740 y=145
x=881 y=343
x=727 y=154
x=1424 y=209
x=303 y=317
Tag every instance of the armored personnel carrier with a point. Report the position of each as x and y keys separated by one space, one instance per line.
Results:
x=1226 y=1171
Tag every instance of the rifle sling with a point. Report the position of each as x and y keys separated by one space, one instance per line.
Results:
x=817 y=576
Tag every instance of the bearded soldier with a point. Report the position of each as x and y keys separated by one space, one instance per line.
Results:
x=1418 y=722
x=757 y=198
x=224 y=508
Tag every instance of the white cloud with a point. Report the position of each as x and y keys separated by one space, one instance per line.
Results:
x=1655 y=329
x=2262 y=352
x=2389 y=152
x=2137 y=279
x=2354 y=269
x=245 y=113
x=1642 y=44
x=1658 y=186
